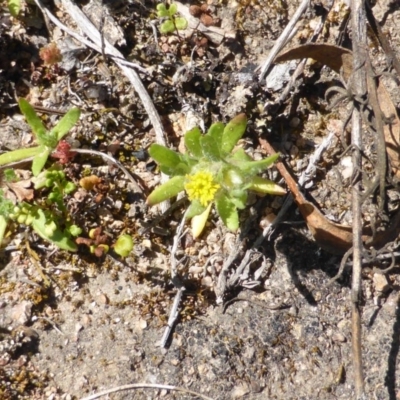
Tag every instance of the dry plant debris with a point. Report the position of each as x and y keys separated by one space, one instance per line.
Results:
x=73 y=325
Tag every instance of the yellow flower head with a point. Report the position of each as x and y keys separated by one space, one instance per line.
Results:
x=201 y=186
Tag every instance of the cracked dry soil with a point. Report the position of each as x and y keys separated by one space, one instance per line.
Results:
x=99 y=323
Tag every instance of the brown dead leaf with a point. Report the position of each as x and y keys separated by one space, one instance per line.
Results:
x=335 y=238
x=335 y=57
x=332 y=237
x=22 y=189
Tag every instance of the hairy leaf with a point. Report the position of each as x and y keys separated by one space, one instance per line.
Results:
x=66 y=123
x=216 y=130
x=164 y=156
x=19 y=154
x=233 y=131
x=192 y=142
x=255 y=167
x=33 y=120
x=167 y=190
x=210 y=148
x=228 y=213
x=195 y=208
x=40 y=159
x=262 y=185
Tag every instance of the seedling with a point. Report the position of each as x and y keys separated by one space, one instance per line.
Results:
x=14 y=6
x=97 y=242
x=212 y=171
x=173 y=23
x=47 y=140
x=45 y=219
x=124 y=245
x=54 y=179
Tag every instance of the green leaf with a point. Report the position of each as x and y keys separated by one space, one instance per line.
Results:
x=181 y=23
x=210 y=148
x=199 y=222
x=228 y=213
x=14 y=6
x=124 y=245
x=255 y=167
x=239 y=198
x=162 y=10
x=262 y=185
x=75 y=230
x=40 y=159
x=216 y=130
x=20 y=154
x=164 y=156
x=233 y=131
x=240 y=155
x=41 y=226
x=66 y=123
x=173 y=8
x=6 y=206
x=33 y=120
x=167 y=190
x=195 y=208
x=192 y=142
x=167 y=27
x=232 y=178
x=179 y=169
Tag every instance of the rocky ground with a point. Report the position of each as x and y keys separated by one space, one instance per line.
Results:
x=75 y=324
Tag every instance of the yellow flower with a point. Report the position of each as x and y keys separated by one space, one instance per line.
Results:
x=201 y=187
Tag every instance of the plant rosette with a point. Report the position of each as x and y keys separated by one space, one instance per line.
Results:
x=213 y=171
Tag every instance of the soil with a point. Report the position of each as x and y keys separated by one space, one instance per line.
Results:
x=75 y=324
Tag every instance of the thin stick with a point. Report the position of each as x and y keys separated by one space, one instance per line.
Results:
x=300 y=67
x=173 y=316
x=359 y=30
x=145 y=386
x=84 y=41
x=283 y=38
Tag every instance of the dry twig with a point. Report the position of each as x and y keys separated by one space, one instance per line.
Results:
x=173 y=316
x=283 y=39
x=359 y=88
x=144 y=386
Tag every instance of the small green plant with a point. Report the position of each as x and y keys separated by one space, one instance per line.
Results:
x=173 y=22
x=47 y=140
x=14 y=6
x=124 y=245
x=6 y=208
x=46 y=219
x=54 y=179
x=212 y=171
